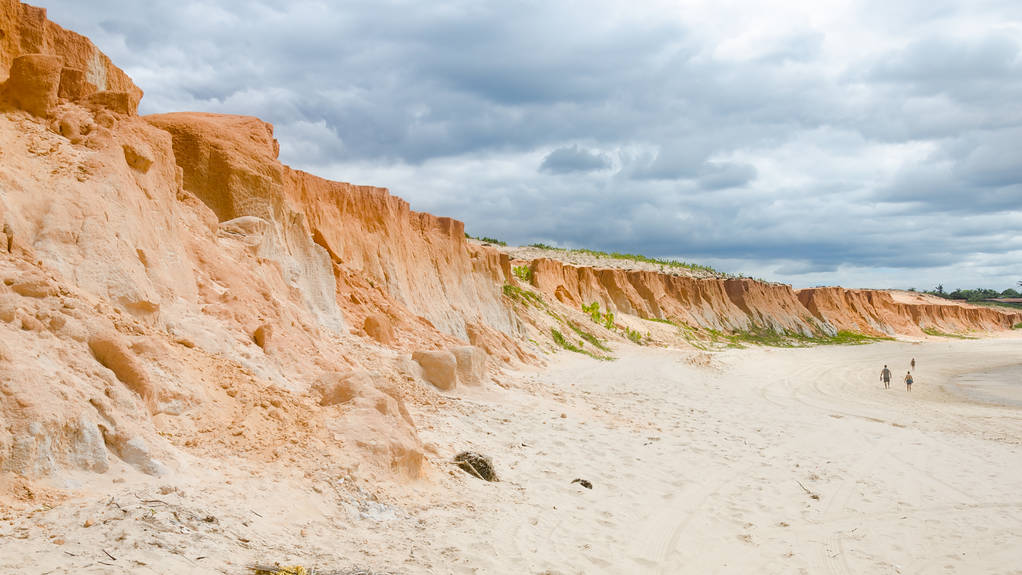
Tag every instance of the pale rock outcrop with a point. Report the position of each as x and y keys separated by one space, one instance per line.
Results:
x=471 y=362
x=134 y=451
x=43 y=447
x=375 y=417
x=359 y=387
x=439 y=368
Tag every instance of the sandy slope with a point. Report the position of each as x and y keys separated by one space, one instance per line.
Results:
x=695 y=459
x=697 y=470
x=593 y=260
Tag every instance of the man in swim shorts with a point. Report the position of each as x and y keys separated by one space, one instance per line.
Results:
x=885 y=376
x=908 y=380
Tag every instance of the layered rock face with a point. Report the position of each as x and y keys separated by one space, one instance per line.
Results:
x=722 y=304
x=413 y=265
x=876 y=312
x=744 y=304
x=420 y=260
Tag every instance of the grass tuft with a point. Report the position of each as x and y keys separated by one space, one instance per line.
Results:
x=595 y=341
x=487 y=240
x=769 y=338
x=523 y=296
x=563 y=342
x=633 y=335
x=523 y=273
x=658 y=320
x=635 y=258
x=937 y=333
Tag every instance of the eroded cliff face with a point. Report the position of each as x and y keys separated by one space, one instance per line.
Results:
x=877 y=313
x=745 y=304
x=721 y=304
x=420 y=260
x=359 y=250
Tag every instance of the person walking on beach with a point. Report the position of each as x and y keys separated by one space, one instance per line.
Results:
x=885 y=376
x=908 y=381
x=913 y=363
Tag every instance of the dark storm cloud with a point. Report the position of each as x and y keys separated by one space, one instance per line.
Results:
x=885 y=136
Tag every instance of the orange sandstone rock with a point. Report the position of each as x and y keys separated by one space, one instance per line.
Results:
x=33 y=83
x=26 y=30
x=378 y=327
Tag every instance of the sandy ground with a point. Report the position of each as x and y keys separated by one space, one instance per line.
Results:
x=743 y=461
x=585 y=259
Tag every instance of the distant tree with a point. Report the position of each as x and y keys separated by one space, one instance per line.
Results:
x=1009 y=293
x=939 y=289
x=911 y=289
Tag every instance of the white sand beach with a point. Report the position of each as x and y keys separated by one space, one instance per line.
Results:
x=999 y=385
x=744 y=461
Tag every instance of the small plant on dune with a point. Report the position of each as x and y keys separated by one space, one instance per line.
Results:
x=595 y=341
x=563 y=342
x=608 y=320
x=633 y=335
x=851 y=338
x=937 y=333
x=593 y=310
x=560 y=340
x=487 y=240
x=764 y=336
x=670 y=263
x=523 y=296
x=523 y=273
x=658 y=320
x=1017 y=325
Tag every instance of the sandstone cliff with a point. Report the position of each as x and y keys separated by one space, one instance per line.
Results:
x=740 y=304
x=877 y=312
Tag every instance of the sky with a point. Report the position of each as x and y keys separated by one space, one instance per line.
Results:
x=871 y=143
